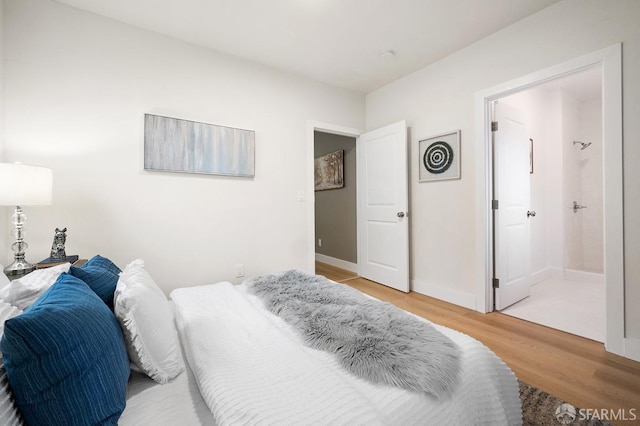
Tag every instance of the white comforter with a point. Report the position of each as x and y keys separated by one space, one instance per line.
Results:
x=252 y=368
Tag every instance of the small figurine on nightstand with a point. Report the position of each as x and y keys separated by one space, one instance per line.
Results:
x=57 y=248
x=58 y=253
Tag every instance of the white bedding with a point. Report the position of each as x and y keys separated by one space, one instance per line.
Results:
x=251 y=368
x=175 y=403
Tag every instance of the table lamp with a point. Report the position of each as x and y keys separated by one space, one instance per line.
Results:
x=22 y=185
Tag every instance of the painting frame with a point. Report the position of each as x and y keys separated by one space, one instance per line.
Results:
x=439 y=157
x=185 y=146
x=328 y=170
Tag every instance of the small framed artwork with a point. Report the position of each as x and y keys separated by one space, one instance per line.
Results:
x=439 y=157
x=329 y=171
x=530 y=156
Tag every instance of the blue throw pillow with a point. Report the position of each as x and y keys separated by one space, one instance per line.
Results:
x=66 y=359
x=101 y=275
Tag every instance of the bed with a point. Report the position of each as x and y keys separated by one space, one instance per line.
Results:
x=225 y=354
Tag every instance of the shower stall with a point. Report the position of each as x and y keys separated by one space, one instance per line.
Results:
x=582 y=188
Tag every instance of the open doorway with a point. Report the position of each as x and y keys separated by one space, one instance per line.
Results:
x=382 y=201
x=564 y=125
x=314 y=127
x=335 y=205
x=610 y=61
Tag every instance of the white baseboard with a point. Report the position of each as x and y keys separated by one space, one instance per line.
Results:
x=338 y=263
x=457 y=297
x=632 y=348
x=546 y=274
x=567 y=274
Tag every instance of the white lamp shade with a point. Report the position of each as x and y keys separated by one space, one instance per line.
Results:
x=22 y=185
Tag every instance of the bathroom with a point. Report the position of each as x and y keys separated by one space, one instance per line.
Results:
x=564 y=119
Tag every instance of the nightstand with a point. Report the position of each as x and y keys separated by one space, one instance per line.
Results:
x=78 y=262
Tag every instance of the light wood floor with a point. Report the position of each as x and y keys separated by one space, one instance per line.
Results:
x=573 y=368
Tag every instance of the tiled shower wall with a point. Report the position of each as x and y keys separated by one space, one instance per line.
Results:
x=582 y=121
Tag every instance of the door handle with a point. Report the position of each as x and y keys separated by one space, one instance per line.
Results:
x=531 y=213
x=400 y=214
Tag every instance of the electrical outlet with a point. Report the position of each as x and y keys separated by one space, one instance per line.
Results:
x=319 y=242
x=239 y=270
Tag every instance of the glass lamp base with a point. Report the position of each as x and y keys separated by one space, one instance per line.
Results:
x=19 y=267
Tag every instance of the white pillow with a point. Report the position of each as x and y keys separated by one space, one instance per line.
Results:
x=22 y=292
x=147 y=322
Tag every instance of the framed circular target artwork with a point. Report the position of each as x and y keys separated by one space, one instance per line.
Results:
x=440 y=157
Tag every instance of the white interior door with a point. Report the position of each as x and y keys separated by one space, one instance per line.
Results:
x=512 y=191
x=383 y=200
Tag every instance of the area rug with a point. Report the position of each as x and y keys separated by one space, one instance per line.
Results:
x=542 y=409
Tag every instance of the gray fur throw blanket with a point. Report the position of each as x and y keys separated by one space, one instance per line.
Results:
x=376 y=341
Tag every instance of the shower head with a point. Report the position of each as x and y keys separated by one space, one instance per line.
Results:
x=583 y=144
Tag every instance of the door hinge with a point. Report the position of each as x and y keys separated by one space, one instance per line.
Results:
x=494 y=204
x=494 y=126
x=496 y=283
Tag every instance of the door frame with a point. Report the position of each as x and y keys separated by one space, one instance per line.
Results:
x=334 y=129
x=610 y=59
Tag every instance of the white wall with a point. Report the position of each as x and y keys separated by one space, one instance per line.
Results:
x=572 y=185
x=76 y=88
x=1 y=96
x=582 y=121
x=590 y=114
x=4 y=246
x=440 y=98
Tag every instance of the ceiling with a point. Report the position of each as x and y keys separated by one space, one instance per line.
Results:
x=335 y=41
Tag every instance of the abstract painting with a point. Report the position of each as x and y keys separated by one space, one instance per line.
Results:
x=440 y=157
x=329 y=171
x=175 y=145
